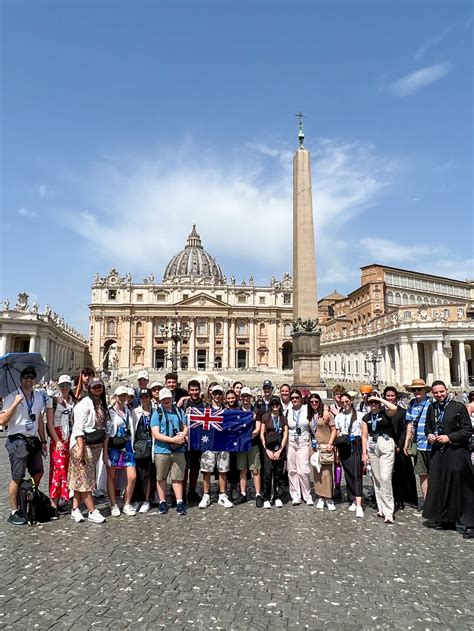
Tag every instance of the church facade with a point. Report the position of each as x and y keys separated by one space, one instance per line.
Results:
x=228 y=325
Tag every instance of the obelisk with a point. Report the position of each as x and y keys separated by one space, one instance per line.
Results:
x=306 y=330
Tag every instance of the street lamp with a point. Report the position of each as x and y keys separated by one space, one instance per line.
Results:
x=177 y=333
x=373 y=357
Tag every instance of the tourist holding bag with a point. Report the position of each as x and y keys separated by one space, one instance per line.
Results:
x=322 y=431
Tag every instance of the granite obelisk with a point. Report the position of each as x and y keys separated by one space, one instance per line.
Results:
x=306 y=330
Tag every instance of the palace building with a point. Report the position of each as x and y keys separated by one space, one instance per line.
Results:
x=231 y=325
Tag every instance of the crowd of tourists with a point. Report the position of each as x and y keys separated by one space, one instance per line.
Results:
x=131 y=443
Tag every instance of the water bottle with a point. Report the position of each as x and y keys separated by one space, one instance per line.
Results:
x=314 y=444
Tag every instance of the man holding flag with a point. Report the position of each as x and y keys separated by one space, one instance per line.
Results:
x=217 y=431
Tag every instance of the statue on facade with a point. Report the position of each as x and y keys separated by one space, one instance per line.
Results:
x=96 y=277
x=251 y=281
x=47 y=311
x=6 y=304
x=35 y=307
x=232 y=280
x=22 y=302
x=128 y=278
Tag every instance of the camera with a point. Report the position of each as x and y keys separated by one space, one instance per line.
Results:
x=298 y=431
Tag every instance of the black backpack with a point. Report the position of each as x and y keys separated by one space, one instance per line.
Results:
x=34 y=505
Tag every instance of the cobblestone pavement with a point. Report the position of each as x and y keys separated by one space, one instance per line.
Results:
x=243 y=568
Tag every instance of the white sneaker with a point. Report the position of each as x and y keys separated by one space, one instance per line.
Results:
x=330 y=504
x=278 y=503
x=310 y=502
x=77 y=516
x=144 y=508
x=320 y=503
x=352 y=507
x=115 y=511
x=267 y=504
x=96 y=517
x=359 y=511
x=224 y=501
x=205 y=502
x=129 y=510
x=135 y=506
x=296 y=502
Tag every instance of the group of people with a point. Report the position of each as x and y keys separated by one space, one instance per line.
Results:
x=138 y=439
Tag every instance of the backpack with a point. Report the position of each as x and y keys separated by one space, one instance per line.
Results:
x=33 y=505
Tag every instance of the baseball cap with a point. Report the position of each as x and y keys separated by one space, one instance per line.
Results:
x=144 y=392
x=155 y=384
x=245 y=390
x=165 y=393
x=275 y=401
x=120 y=390
x=143 y=374
x=64 y=379
x=29 y=371
x=95 y=381
x=267 y=384
x=217 y=388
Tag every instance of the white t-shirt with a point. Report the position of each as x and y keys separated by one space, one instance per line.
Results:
x=298 y=418
x=342 y=422
x=20 y=422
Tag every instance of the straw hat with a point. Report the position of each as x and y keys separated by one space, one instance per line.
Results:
x=418 y=383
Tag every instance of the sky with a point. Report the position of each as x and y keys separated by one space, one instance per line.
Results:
x=123 y=123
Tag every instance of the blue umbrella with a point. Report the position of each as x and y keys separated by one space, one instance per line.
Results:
x=11 y=366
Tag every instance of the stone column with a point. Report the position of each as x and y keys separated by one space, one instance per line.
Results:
x=462 y=365
x=252 y=325
x=124 y=358
x=43 y=347
x=398 y=376
x=272 y=356
x=439 y=362
x=416 y=361
x=406 y=362
x=232 y=358
x=212 y=344
x=225 y=342
x=192 y=345
x=32 y=347
x=278 y=357
x=148 y=361
x=3 y=344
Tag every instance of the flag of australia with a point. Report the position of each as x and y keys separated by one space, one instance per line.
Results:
x=220 y=430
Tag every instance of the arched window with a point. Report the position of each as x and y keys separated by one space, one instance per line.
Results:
x=218 y=329
x=262 y=328
x=404 y=299
x=110 y=327
x=390 y=297
x=398 y=298
x=139 y=328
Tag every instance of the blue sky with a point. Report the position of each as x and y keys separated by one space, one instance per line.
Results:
x=125 y=122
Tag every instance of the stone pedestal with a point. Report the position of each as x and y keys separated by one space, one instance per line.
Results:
x=306 y=356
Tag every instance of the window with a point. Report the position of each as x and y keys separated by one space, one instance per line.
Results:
x=287 y=329
x=407 y=315
x=139 y=297
x=287 y=299
x=139 y=328
x=111 y=327
x=242 y=299
x=241 y=327
x=218 y=296
x=446 y=313
x=262 y=329
x=202 y=327
x=112 y=294
x=261 y=300
x=218 y=328
x=185 y=296
x=161 y=296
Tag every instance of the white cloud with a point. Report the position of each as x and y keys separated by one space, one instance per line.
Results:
x=26 y=212
x=387 y=251
x=138 y=212
x=411 y=83
x=42 y=190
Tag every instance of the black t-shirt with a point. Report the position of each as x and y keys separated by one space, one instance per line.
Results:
x=379 y=423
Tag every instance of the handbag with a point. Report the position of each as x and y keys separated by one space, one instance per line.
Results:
x=95 y=437
x=142 y=446
x=325 y=457
x=117 y=442
x=343 y=441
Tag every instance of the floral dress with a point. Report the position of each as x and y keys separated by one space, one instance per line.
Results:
x=59 y=458
x=82 y=476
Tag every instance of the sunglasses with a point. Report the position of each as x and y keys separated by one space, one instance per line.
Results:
x=314 y=401
x=418 y=389
x=28 y=377
x=295 y=398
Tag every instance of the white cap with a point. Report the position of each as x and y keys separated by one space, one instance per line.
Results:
x=130 y=392
x=165 y=393
x=143 y=374
x=245 y=390
x=217 y=388
x=120 y=390
x=155 y=384
x=64 y=379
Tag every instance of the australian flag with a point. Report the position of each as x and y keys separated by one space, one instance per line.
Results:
x=220 y=430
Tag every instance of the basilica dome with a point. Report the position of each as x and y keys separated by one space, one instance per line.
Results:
x=193 y=263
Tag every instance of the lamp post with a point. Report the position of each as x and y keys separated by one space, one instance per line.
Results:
x=177 y=333
x=373 y=357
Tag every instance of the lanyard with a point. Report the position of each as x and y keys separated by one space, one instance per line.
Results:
x=346 y=424
x=145 y=419
x=29 y=403
x=439 y=413
x=276 y=423
x=374 y=420
x=296 y=416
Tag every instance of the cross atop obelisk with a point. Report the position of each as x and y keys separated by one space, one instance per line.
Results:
x=306 y=332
